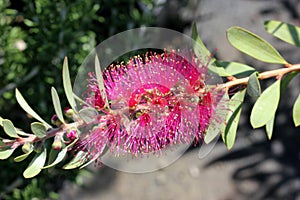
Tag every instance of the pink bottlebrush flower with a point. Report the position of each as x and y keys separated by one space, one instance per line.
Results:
x=155 y=101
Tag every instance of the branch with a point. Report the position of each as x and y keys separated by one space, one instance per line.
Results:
x=264 y=75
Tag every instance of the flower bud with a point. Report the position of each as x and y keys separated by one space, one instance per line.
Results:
x=57 y=144
x=55 y=121
x=26 y=147
x=68 y=112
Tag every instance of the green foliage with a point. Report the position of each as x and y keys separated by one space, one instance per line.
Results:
x=36 y=165
x=34 y=37
x=253 y=87
x=57 y=104
x=235 y=68
x=296 y=112
x=233 y=117
x=284 y=31
x=266 y=105
x=253 y=45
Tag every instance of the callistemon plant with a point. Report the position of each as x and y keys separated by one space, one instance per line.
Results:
x=156 y=101
x=151 y=102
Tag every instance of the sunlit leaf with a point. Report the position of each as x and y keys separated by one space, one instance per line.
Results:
x=28 y=109
x=216 y=128
x=56 y=104
x=253 y=87
x=77 y=161
x=296 y=112
x=23 y=157
x=38 y=129
x=88 y=114
x=67 y=84
x=284 y=31
x=235 y=68
x=100 y=80
x=233 y=117
x=253 y=45
x=9 y=128
x=269 y=127
x=61 y=155
x=218 y=70
x=1 y=121
x=203 y=53
x=35 y=166
x=199 y=48
x=5 y=153
x=266 y=105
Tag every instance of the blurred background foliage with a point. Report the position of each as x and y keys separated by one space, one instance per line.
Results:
x=35 y=36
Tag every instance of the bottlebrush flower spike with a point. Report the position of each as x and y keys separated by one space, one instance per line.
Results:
x=155 y=101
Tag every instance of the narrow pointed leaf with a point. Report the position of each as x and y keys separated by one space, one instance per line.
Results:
x=266 y=105
x=9 y=128
x=5 y=153
x=100 y=80
x=88 y=114
x=269 y=127
x=235 y=68
x=296 y=112
x=67 y=84
x=253 y=87
x=23 y=157
x=61 y=155
x=28 y=109
x=253 y=45
x=199 y=48
x=215 y=128
x=233 y=117
x=56 y=104
x=38 y=129
x=284 y=31
x=77 y=161
x=35 y=167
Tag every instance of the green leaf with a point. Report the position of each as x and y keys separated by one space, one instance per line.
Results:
x=23 y=157
x=1 y=121
x=56 y=104
x=100 y=81
x=199 y=48
x=296 y=112
x=215 y=127
x=79 y=159
x=269 y=127
x=266 y=105
x=67 y=84
x=284 y=31
x=36 y=165
x=38 y=129
x=253 y=87
x=9 y=128
x=5 y=153
x=286 y=80
x=235 y=68
x=88 y=114
x=253 y=45
x=218 y=70
x=28 y=109
x=61 y=155
x=233 y=117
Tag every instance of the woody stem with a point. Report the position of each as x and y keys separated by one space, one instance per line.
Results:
x=264 y=75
